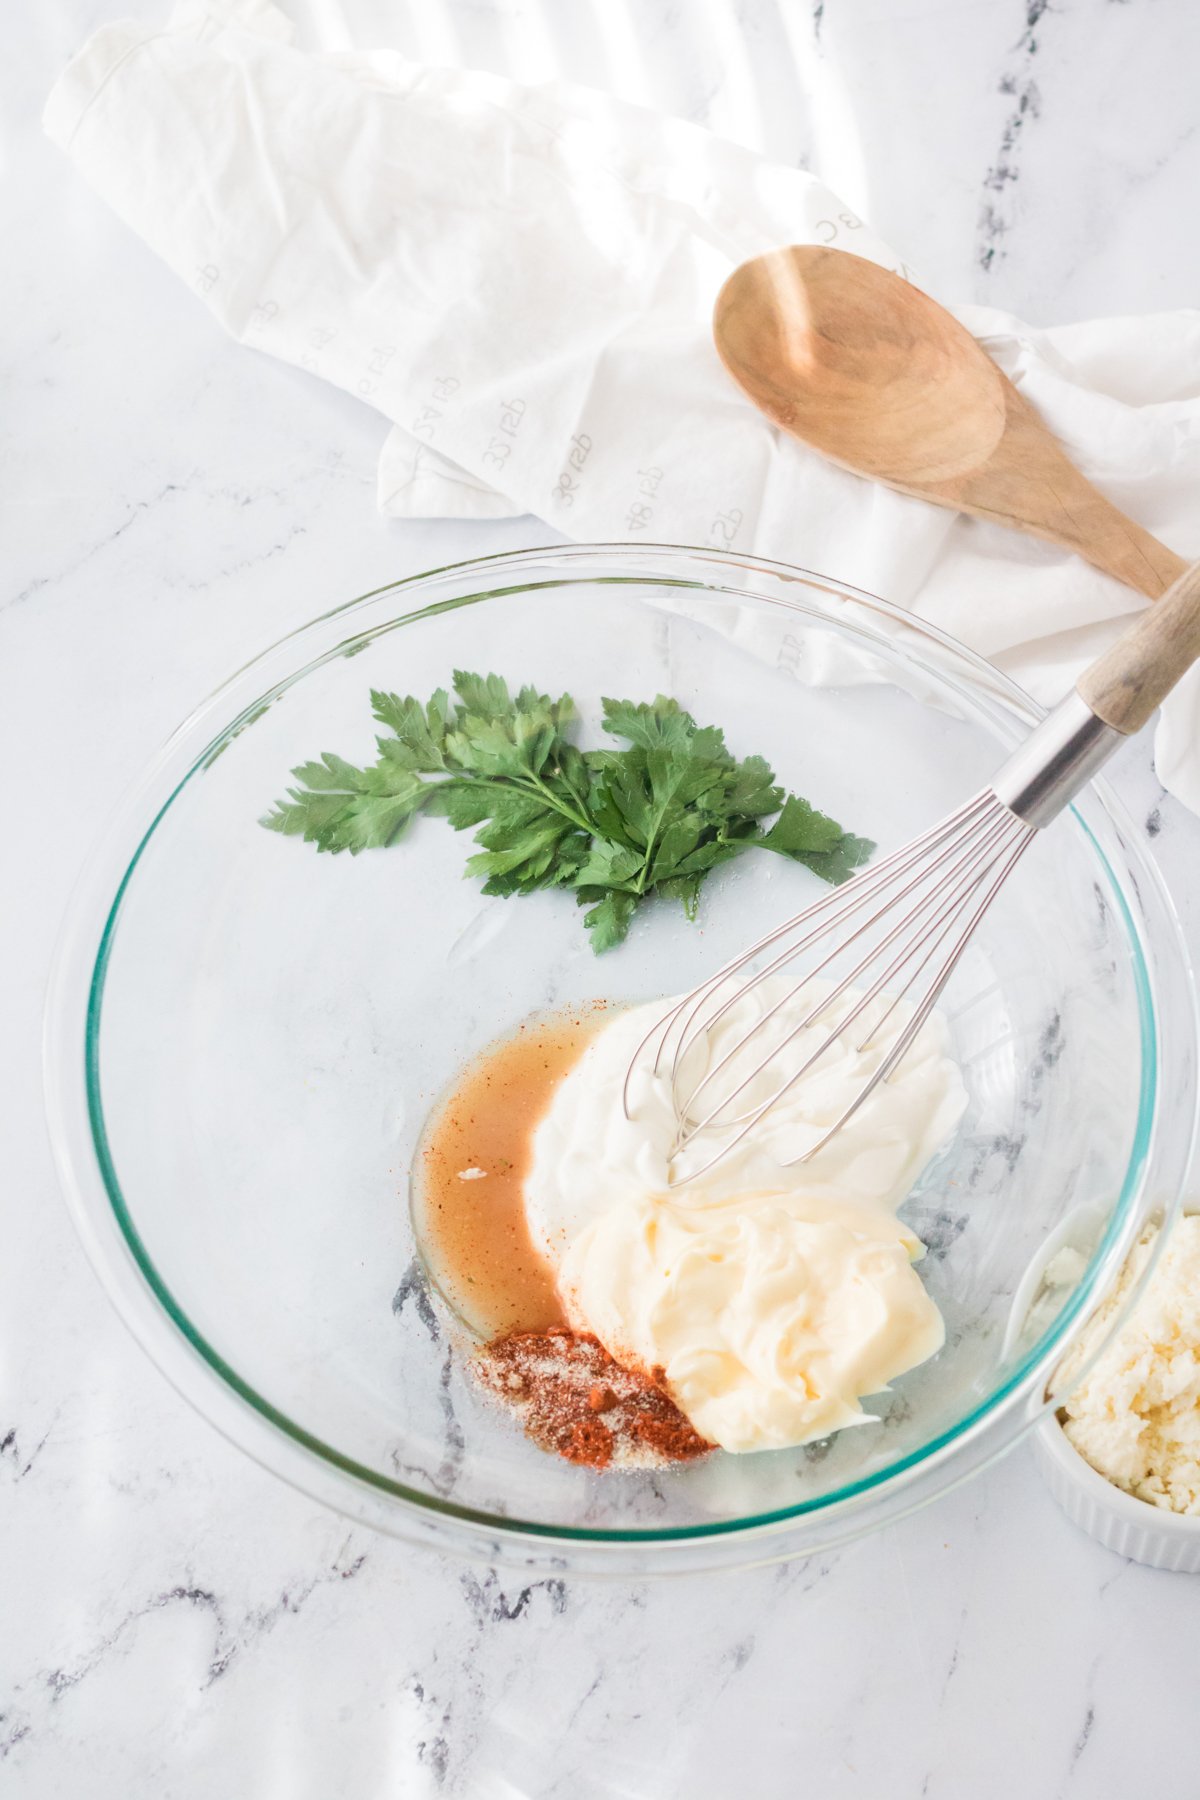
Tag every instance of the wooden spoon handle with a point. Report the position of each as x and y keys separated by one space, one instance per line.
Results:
x=1125 y=685
x=1122 y=548
x=1030 y=483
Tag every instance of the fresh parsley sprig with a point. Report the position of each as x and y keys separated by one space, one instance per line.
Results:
x=615 y=825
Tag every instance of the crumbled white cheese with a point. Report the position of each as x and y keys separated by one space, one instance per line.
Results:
x=1136 y=1418
x=1066 y=1268
x=472 y=1174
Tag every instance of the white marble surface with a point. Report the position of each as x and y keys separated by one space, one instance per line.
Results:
x=173 y=1622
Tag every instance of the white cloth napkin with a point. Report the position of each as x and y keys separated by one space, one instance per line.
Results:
x=522 y=278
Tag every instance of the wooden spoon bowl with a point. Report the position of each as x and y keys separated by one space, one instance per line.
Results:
x=865 y=368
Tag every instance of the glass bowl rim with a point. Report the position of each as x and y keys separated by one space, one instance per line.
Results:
x=976 y=672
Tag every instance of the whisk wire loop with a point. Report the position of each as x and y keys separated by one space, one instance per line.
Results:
x=943 y=882
x=975 y=856
x=921 y=1013
x=838 y=903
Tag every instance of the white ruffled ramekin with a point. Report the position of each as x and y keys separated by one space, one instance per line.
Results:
x=1131 y=1527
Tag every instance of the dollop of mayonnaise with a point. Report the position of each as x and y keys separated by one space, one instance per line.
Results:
x=773 y=1294
x=769 y=1315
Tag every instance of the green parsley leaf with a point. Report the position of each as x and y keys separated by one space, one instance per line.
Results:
x=610 y=866
x=419 y=731
x=609 y=921
x=840 y=863
x=339 y=807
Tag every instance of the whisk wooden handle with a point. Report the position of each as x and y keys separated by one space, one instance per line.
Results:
x=1125 y=685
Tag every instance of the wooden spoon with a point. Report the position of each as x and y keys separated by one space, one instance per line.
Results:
x=865 y=368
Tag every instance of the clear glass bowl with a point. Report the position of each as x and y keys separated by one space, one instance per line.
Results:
x=244 y=1038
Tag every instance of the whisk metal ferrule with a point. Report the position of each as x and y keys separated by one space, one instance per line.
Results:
x=1057 y=759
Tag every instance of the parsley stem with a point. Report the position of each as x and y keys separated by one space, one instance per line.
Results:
x=568 y=812
x=531 y=784
x=648 y=853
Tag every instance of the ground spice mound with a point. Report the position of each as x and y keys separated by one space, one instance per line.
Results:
x=574 y=1399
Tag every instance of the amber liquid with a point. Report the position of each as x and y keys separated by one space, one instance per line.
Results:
x=472 y=1232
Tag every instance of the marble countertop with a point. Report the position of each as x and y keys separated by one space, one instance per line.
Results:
x=173 y=1621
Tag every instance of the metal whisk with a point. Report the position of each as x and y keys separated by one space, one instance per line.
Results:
x=911 y=915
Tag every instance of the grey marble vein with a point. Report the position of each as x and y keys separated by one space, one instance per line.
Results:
x=1018 y=84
